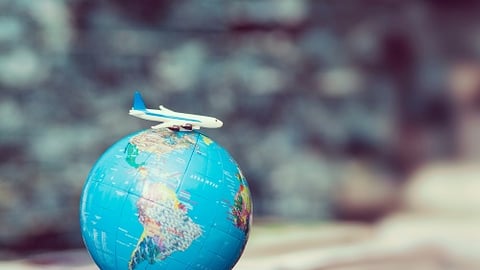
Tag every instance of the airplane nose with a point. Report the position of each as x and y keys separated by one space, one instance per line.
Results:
x=220 y=123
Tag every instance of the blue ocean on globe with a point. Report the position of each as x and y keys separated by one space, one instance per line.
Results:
x=159 y=199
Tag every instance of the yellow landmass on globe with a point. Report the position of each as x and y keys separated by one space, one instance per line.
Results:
x=206 y=140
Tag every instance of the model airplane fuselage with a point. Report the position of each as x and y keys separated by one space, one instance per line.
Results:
x=170 y=119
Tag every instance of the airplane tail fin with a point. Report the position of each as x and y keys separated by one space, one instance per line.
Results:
x=138 y=103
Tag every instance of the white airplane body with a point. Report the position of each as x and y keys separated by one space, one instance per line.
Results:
x=170 y=119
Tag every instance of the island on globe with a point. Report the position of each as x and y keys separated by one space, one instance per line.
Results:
x=159 y=199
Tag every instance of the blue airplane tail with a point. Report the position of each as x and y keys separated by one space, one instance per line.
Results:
x=138 y=103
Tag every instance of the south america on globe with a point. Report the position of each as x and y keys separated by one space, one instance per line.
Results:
x=161 y=199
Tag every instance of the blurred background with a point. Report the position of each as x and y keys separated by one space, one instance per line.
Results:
x=360 y=119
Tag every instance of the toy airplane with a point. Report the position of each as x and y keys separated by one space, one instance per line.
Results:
x=172 y=120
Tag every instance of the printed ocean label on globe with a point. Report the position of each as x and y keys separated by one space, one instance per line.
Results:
x=159 y=199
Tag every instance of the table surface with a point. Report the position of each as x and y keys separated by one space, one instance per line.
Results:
x=334 y=246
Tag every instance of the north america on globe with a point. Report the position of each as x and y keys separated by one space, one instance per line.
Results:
x=161 y=199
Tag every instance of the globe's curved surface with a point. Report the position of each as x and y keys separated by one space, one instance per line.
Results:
x=158 y=199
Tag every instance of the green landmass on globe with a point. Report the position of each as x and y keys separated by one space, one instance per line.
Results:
x=160 y=199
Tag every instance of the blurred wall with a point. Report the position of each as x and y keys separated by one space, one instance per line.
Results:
x=328 y=105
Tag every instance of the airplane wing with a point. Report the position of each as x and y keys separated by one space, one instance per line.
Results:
x=163 y=108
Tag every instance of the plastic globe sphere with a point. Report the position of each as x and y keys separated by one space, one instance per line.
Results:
x=159 y=199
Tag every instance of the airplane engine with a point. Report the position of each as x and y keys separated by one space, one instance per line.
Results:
x=187 y=126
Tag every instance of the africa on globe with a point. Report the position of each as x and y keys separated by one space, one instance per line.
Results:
x=162 y=199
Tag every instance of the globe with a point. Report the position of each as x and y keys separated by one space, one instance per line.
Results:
x=159 y=199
